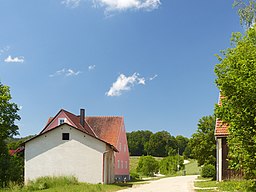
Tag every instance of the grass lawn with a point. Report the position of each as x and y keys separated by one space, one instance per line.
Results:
x=134 y=160
x=65 y=184
x=192 y=168
x=74 y=188
x=226 y=186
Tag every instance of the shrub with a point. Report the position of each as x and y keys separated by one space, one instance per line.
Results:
x=169 y=165
x=134 y=176
x=147 y=165
x=208 y=171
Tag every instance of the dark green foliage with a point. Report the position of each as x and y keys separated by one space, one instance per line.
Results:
x=236 y=74
x=182 y=143
x=8 y=116
x=202 y=143
x=4 y=164
x=171 y=164
x=147 y=166
x=134 y=176
x=160 y=144
x=187 y=152
x=208 y=171
x=136 y=142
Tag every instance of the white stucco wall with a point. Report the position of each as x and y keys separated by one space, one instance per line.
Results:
x=80 y=156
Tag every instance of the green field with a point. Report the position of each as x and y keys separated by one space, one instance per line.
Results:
x=192 y=168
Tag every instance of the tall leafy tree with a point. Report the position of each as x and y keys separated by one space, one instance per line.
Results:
x=8 y=116
x=202 y=143
x=137 y=141
x=236 y=74
x=182 y=143
x=160 y=144
x=246 y=11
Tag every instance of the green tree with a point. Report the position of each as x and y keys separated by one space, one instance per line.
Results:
x=8 y=116
x=147 y=165
x=202 y=143
x=182 y=143
x=160 y=144
x=236 y=74
x=171 y=164
x=246 y=11
x=136 y=142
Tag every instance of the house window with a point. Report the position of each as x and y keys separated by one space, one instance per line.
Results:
x=126 y=164
x=65 y=136
x=118 y=164
x=61 y=121
x=122 y=165
x=124 y=148
x=120 y=146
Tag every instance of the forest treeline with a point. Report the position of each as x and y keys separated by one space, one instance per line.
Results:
x=159 y=144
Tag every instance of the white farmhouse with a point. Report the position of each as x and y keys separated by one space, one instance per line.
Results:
x=69 y=146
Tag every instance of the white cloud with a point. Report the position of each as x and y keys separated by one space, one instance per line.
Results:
x=124 y=83
x=70 y=72
x=91 y=67
x=5 y=49
x=71 y=3
x=152 y=78
x=65 y=72
x=120 y=5
x=11 y=59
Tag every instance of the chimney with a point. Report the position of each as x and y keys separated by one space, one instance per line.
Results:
x=82 y=116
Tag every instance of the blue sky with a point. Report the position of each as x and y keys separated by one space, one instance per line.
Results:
x=149 y=61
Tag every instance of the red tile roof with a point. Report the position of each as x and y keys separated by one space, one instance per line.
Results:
x=106 y=129
x=12 y=152
x=74 y=119
x=221 y=128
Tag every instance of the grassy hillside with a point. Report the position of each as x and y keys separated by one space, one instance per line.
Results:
x=192 y=168
x=134 y=160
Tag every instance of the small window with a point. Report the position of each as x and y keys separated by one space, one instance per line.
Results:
x=124 y=148
x=126 y=165
x=118 y=164
x=120 y=146
x=65 y=136
x=61 y=121
x=122 y=165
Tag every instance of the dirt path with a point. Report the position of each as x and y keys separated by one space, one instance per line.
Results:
x=170 y=184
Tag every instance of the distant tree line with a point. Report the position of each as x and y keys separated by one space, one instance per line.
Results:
x=159 y=144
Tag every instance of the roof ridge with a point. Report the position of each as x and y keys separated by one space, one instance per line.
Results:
x=106 y=116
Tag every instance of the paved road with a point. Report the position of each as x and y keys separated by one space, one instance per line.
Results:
x=170 y=184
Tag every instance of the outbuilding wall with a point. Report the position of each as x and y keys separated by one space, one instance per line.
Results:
x=81 y=156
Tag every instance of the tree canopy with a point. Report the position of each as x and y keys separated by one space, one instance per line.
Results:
x=136 y=142
x=236 y=74
x=8 y=116
x=159 y=144
x=202 y=143
x=246 y=11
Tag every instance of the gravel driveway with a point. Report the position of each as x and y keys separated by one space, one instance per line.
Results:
x=170 y=184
